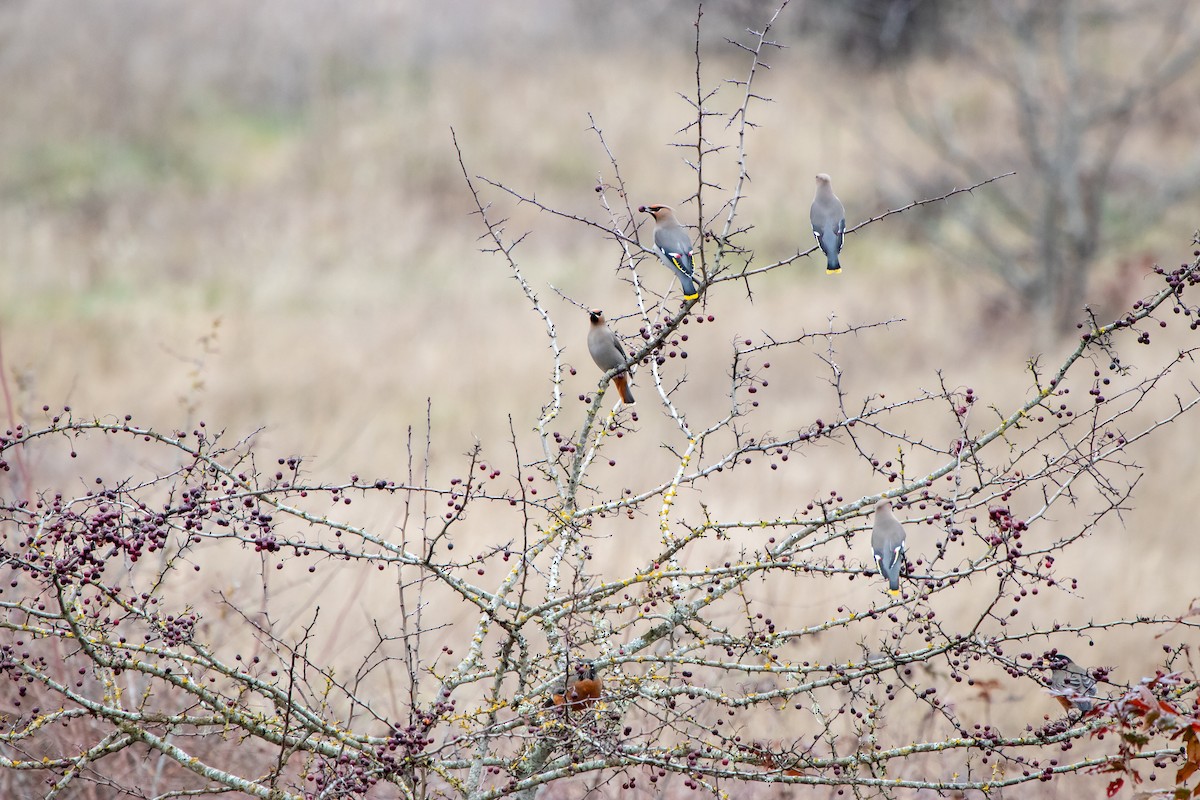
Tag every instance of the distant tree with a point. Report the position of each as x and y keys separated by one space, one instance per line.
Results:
x=121 y=678
x=879 y=33
x=1081 y=78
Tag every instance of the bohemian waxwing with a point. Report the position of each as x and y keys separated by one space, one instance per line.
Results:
x=608 y=353
x=1072 y=685
x=674 y=247
x=887 y=542
x=828 y=219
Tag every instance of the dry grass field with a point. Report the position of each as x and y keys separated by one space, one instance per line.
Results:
x=253 y=215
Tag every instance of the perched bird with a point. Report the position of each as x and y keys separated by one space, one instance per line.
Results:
x=582 y=692
x=608 y=353
x=887 y=541
x=1072 y=685
x=674 y=247
x=828 y=218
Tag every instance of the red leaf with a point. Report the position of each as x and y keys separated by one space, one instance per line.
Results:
x=1115 y=787
x=1138 y=705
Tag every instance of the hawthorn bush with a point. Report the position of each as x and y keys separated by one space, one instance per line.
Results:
x=138 y=661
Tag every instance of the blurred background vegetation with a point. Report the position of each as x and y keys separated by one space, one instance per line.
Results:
x=252 y=214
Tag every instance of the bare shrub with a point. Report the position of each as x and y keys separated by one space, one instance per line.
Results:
x=469 y=683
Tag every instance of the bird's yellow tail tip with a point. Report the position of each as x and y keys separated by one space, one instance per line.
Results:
x=691 y=296
x=837 y=271
x=894 y=592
